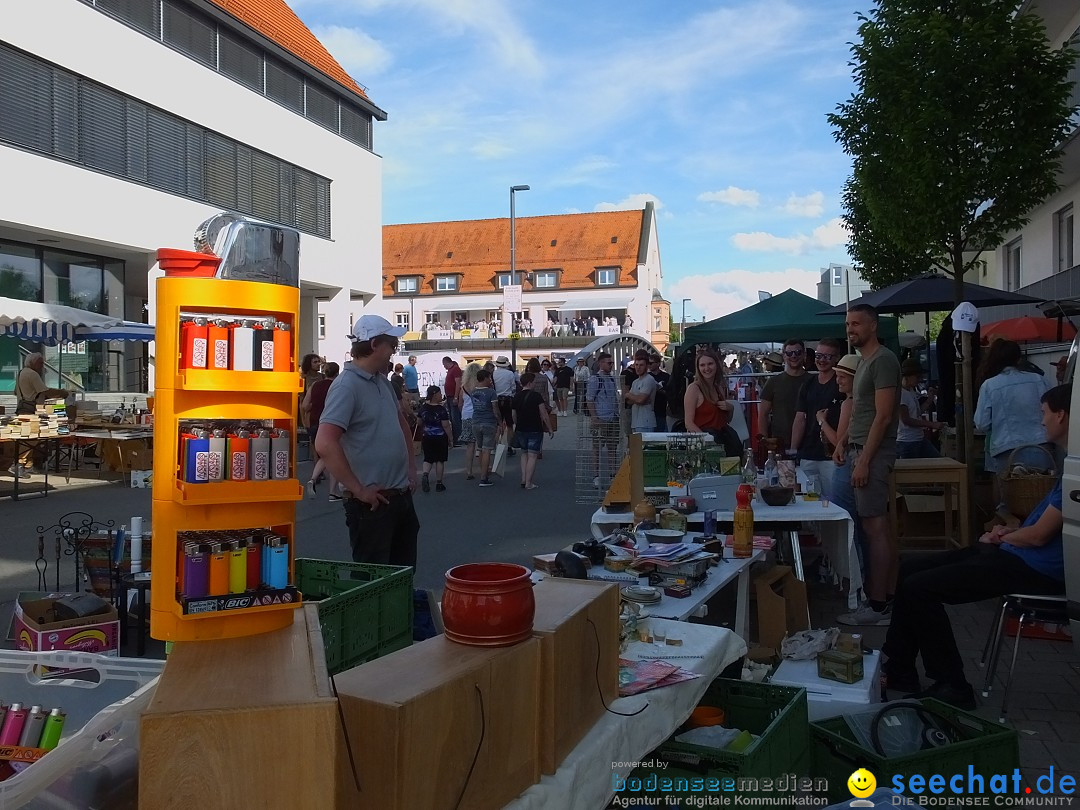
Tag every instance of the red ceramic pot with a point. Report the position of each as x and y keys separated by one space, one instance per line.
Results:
x=488 y=604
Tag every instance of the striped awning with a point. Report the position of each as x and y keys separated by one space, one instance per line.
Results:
x=52 y=323
x=48 y=332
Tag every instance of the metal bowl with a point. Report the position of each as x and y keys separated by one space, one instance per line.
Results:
x=664 y=535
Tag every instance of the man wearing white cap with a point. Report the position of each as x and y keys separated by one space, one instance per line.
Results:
x=356 y=440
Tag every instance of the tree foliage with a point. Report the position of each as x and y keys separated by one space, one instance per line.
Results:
x=955 y=128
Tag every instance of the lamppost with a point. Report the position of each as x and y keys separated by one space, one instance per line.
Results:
x=513 y=270
x=682 y=323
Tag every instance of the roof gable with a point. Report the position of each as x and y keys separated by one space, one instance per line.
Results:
x=279 y=23
x=477 y=250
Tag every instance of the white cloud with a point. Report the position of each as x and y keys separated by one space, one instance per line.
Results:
x=490 y=149
x=812 y=205
x=830 y=235
x=635 y=202
x=360 y=54
x=587 y=170
x=732 y=195
x=727 y=291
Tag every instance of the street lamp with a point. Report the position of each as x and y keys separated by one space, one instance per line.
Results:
x=682 y=323
x=513 y=269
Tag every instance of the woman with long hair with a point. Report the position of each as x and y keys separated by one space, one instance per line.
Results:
x=540 y=384
x=465 y=405
x=1009 y=409
x=706 y=407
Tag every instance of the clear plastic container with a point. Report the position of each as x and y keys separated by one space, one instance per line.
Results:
x=103 y=698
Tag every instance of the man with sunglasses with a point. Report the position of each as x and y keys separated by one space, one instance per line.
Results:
x=367 y=446
x=818 y=408
x=779 y=397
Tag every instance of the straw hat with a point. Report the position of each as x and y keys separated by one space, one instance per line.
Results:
x=502 y=361
x=848 y=364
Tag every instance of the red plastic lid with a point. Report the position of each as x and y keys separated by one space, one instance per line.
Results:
x=187 y=263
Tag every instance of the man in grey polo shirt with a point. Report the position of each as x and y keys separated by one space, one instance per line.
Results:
x=357 y=441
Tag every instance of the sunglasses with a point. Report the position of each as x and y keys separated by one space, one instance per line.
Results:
x=794 y=353
x=823 y=356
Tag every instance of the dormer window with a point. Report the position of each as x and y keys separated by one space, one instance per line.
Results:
x=408 y=284
x=446 y=284
x=606 y=276
x=502 y=280
x=546 y=280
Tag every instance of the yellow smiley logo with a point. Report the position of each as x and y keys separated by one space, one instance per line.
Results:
x=861 y=783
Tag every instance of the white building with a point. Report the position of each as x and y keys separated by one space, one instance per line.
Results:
x=840 y=283
x=603 y=264
x=126 y=123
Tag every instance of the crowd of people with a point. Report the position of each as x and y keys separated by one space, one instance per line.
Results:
x=524 y=326
x=846 y=422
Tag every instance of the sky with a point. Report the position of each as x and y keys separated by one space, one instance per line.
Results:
x=715 y=111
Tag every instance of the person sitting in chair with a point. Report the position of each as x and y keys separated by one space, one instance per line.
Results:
x=1027 y=559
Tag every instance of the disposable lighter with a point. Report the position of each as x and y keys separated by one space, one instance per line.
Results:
x=11 y=731
x=260 y=456
x=238 y=448
x=278 y=566
x=219 y=569
x=242 y=343
x=197 y=458
x=279 y=453
x=254 y=561
x=282 y=347
x=217 y=336
x=262 y=357
x=237 y=566
x=32 y=728
x=54 y=727
x=193 y=352
x=217 y=455
x=196 y=571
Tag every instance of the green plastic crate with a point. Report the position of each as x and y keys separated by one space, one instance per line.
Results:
x=989 y=748
x=775 y=714
x=365 y=611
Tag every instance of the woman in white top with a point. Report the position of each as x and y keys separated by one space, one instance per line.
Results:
x=465 y=404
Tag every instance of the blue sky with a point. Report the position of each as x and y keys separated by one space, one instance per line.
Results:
x=713 y=110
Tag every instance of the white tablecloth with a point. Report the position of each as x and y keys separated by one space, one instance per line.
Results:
x=834 y=526
x=584 y=780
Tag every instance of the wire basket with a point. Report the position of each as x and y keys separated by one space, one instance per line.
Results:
x=1025 y=491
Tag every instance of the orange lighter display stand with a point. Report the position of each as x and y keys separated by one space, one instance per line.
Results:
x=180 y=507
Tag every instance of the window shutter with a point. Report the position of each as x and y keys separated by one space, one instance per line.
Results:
x=220 y=171
x=322 y=107
x=26 y=118
x=284 y=86
x=166 y=155
x=190 y=33
x=140 y=14
x=239 y=62
x=102 y=129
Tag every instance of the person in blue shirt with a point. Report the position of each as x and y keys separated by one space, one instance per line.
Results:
x=602 y=406
x=1026 y=559
x=412 y=382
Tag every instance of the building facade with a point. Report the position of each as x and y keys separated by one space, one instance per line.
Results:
x=126 y=123
x=439 y=276
x=840 y=283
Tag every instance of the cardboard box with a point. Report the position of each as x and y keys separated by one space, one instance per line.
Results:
x=781 y=605
x=35 y=628
x=577 y=622
x=142 y=479
x=441 y=725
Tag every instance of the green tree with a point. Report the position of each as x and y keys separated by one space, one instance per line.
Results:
x=954 y=130
x=673 y=331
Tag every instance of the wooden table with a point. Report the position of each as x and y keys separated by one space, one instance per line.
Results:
x=936 y=472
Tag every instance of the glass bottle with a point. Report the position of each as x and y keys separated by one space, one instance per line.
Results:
x=772 y=471
x=749 y=470
x=743 y=537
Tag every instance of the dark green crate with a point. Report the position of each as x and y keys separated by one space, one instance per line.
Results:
x=775 y=714
x=365 y=611
x=989 y=748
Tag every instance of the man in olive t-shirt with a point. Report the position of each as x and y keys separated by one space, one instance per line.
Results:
x=872 y=443
x=779 y=397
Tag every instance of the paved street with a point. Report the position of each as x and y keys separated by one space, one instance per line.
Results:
x=506 y=523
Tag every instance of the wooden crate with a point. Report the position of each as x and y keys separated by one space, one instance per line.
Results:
x=577 y=622
x=418 y=717
x=249 y=722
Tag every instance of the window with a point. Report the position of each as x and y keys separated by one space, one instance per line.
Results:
x=837 y=275
x=657 y=321
x=502 y=280
x=401 y=320
x=48 y=110
x=494 y=316
x=546 y=280
x=180 y=25
x=1013 y=264
x=606 y=276
x=1063 y=239
x=446 y=283
x=322 y=327
x=408 y=284
x=20 y=272
x=431 y=317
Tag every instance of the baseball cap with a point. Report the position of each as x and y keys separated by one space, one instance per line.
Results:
x=371 y=326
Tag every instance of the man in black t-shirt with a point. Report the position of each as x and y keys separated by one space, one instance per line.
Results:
x=564 y=380
x=660 y=403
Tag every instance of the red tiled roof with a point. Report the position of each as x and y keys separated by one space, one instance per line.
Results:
x=276 y=21
x=479 y=249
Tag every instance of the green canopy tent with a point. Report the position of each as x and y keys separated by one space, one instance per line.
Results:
x=789 y=314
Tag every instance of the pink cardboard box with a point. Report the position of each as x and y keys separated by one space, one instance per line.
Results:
x=35 y=629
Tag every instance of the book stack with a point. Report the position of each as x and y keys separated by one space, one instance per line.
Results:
x=51 y=417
